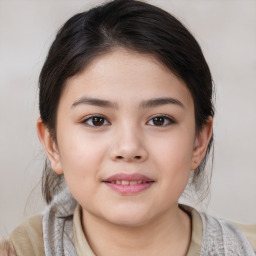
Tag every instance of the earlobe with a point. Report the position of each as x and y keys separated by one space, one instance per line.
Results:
x=50 y=146
x=201 y=143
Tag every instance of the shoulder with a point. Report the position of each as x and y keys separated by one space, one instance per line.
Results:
x=249 y=231
x=26 y=239
x=224 y=237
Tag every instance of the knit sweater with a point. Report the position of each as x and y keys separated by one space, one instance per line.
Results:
x=58 y=231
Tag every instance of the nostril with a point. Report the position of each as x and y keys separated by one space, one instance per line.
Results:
x=135 y=157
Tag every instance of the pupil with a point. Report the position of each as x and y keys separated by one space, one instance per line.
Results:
x=158 y=121
x=97 y=121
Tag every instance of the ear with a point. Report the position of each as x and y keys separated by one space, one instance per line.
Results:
x=201 y=143
x=50 y=146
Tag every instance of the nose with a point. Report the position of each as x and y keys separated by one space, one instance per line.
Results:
x=129 y=146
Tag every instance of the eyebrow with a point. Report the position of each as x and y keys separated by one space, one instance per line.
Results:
x=94 y=102
x=159 y=102
x=144 y=104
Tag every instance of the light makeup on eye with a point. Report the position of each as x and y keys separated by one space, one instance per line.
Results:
x=95 y=121
x=161 y=120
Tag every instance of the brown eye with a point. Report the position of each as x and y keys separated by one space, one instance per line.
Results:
x=158 y=121
x=161 y=121
x=95 y=121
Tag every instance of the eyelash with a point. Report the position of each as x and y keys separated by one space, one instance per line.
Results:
x=166 y=118
x=90 y=119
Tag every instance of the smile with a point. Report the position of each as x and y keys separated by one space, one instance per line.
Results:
x=128 y=184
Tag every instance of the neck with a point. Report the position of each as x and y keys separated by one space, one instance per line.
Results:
x=168 y=234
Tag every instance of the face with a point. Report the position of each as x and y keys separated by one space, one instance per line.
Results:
x=126 y=139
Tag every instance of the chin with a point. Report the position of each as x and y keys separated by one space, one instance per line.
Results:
x=128 y=218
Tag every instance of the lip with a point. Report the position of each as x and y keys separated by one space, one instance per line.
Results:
x=129 y=177
x=128 y=189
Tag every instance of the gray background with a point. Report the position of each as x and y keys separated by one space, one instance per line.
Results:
x=227 y=34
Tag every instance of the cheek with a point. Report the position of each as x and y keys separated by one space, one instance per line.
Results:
x=174 y=151
x=173 y=157
x=81 y=163
x=81 y=158
x=80 y=147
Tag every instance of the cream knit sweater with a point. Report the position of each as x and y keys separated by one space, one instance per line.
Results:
x=58 y=232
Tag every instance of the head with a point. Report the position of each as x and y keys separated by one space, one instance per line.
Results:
x=135 y=27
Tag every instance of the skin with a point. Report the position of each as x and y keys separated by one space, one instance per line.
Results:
x=128 y=141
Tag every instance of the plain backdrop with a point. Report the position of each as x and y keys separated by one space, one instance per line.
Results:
x=226 y=31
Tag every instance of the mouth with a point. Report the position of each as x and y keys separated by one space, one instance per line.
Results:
x=128 y=183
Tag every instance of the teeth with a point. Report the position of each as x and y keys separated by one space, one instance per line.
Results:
x=127 y=182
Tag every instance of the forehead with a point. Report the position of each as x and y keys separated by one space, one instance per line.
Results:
x=126 y=75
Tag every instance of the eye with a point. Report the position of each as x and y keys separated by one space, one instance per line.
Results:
x=96 y=121
x=161 y=121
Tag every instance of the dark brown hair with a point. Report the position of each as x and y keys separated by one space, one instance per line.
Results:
x=136 y=26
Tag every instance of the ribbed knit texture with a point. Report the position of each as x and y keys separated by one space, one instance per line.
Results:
x=220 y=238
x=58 y=226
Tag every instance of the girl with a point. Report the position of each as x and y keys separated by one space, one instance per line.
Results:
x=126 y=119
